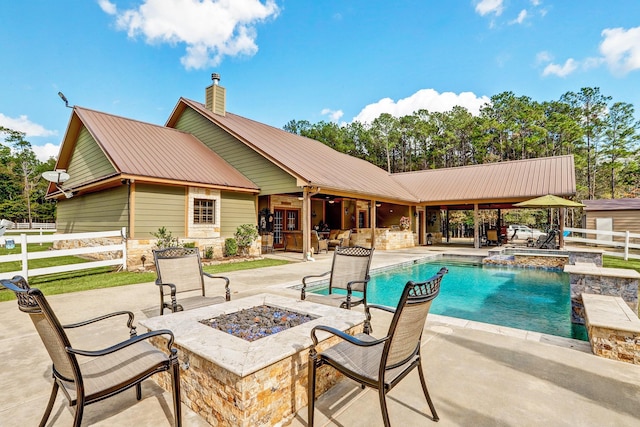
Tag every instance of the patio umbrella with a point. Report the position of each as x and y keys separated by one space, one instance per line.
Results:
x=551 y=201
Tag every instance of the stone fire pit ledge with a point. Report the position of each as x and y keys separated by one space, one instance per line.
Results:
x=243 y=357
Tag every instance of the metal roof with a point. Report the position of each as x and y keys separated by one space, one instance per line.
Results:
x=504 y=181
x=308 y=160
x=147 y=150
x=611 y=204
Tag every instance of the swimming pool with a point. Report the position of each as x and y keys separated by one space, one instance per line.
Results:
x=530 y=299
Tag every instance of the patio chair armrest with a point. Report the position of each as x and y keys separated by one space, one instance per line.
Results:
x=349 y=284
x=99 y=318
x=133 y=340
x=344 y=336
x=226 y=284
x=303 y=290
x=304 y=279
x=170 y=285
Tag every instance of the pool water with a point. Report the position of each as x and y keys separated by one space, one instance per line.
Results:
x=530 y=299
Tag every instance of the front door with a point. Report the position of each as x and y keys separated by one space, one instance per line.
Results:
x=284 y=220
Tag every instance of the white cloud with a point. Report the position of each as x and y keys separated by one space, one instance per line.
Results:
x=424 y=99
x=484 y=7
x=210 y=29
x=107 y=7
x=23 y=124
x=569 y=67
x=46 y=151
x=334 y=115
x=521 y=17
x=544 y=56
x=621 y=49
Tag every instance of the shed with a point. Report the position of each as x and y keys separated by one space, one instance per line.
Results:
x=612 y=215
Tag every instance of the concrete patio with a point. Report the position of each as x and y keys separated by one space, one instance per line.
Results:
x=478 y=374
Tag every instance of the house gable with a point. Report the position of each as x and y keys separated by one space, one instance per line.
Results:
x=270 y=178
x=88 y=162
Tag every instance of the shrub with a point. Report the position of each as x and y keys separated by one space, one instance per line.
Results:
x=189 y=245
x=208 y=252
x=165 y=239
x=245 y=235
x=230 y=247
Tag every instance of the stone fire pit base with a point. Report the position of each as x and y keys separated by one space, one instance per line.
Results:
x=233 y=382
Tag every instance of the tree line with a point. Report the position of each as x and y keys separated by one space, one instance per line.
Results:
x=22 y=189
x=602 y=135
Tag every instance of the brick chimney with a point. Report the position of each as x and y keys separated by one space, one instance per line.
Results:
x=215 y=96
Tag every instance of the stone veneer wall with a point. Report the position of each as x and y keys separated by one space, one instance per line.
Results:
x=529 y=261
x=626 y=288
x=270 y=396
x=386 y=239
x=615 y=344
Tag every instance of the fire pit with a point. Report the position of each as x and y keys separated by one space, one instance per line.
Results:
x=257 y=322
x=231 y=381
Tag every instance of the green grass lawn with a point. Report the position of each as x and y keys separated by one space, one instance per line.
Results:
x=615 y=262
x=103 y=277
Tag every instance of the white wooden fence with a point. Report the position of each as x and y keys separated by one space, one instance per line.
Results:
x=600 y=240
x=24 y=256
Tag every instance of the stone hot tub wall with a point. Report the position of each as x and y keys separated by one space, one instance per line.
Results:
x=267 y=397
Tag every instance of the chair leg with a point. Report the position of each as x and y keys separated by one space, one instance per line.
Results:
x=426 y=393
x=311 y=386
x=383 y=406
x=77 y=421
x=175 y=382
x=52 y=399
x=139 y=391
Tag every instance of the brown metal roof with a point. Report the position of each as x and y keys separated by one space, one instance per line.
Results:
x=506 y=181
x=611 y=204
x=147 y=150
x=308 y=160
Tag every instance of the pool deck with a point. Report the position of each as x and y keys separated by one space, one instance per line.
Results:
x=478 y=374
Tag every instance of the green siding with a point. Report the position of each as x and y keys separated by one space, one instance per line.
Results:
x=159 y=206
x=269 y=177
x=104 y=211
x=236 y=209
x=88 y=161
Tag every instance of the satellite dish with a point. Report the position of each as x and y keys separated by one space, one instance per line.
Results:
x=57 y=177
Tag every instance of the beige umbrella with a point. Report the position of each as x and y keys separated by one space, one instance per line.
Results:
x=551 y=201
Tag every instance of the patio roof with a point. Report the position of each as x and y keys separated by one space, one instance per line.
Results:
x=503 y=182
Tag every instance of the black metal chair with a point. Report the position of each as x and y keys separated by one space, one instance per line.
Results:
x=381 y=363
x=102 y=373
x=180 y=270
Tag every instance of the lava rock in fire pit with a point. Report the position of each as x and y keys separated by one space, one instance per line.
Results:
x=257 y=322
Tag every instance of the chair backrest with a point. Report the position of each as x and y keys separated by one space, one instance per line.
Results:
x=179 y=266
x=51 y=332
x=492 y=234
x=409 y=319
x=349 y=264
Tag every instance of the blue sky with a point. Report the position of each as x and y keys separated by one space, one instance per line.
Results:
x=306 y=59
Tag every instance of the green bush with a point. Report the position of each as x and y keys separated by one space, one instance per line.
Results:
x=189 y=245
x=230 y=247
x=165 y=239
x=208 y=252
x=245 y=235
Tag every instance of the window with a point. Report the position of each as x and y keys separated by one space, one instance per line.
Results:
x=204 y=211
